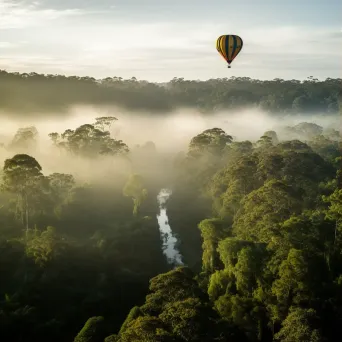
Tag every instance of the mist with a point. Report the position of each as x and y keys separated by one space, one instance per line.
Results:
x=171 y=132
x=167 y=133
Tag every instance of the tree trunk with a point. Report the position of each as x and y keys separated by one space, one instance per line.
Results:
x=25 y=213
x=20 y=208
x=135 y=207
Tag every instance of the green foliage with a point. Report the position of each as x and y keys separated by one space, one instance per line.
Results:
x=189 y=320
x=243 y=312
x=280 y=249
x=211 y=141
x=59 y=277
x=298 y=326
x=45 y=246
x=89 y=141
x=22 y=176
x=264 y=209
x=261 y=220
x=176 y=285
x=291 y=286
x=92 y=331
x=212 y=230
x=111 y=338
x=135 y=188
x=221 y=282
x=20 y=173
x=146 y=329
x=175 y=310
x=36 y=93
x=133 y=314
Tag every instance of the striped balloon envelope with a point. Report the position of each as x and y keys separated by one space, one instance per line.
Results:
x=229 y=46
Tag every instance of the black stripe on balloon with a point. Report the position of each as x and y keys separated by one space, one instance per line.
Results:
x=227 y=48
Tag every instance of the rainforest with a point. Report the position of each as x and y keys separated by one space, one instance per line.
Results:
x=201 y=211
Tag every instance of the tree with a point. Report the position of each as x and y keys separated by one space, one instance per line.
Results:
x=326 y=148
x=113 y=147
x=291 y=286
x=239 y=149
x=176 y=310
x=45 y=246
x=22 y=176
x=334 y=213
x=147 y=329
x=299 y=326
x=264 y=209
x=229 y=185
x=133 y=314
x=265 y=142
x=105 y=122
x=191 y=320
x=89 y=141
x=212 y=231
x=35 y=94
x=308 y=129
x=243 y=312
x=300 y=103
x=135 y=188
x=176 y=285
x=294 y=146
x=93 y=331
x=25 y=139
x=211 y=141
x=61 y=183
x=273 y=136
x=54 y=137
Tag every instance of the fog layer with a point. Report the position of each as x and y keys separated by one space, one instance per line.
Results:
x=170 y=132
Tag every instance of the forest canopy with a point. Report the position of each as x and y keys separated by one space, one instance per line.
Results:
x=36 y=93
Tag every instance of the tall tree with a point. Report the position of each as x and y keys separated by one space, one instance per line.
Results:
x=22 y=175
x=135 y=188
x=212 y=231
x=25 y=139
x=211 y=141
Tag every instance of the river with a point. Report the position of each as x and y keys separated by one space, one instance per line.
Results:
x=169 y=240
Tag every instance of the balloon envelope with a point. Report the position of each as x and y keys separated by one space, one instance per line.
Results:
x=229 y=46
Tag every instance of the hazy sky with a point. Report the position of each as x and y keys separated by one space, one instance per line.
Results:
x=160 y=39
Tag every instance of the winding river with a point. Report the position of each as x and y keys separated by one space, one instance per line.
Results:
x=169 y=240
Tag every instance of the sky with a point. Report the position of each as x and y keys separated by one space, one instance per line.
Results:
x=157 y=40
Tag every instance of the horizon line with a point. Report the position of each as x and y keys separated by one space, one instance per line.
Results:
x=311 y=77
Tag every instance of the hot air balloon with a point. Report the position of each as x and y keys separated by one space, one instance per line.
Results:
x=229 y=47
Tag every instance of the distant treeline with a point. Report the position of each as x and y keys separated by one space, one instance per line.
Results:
x=32 y=92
